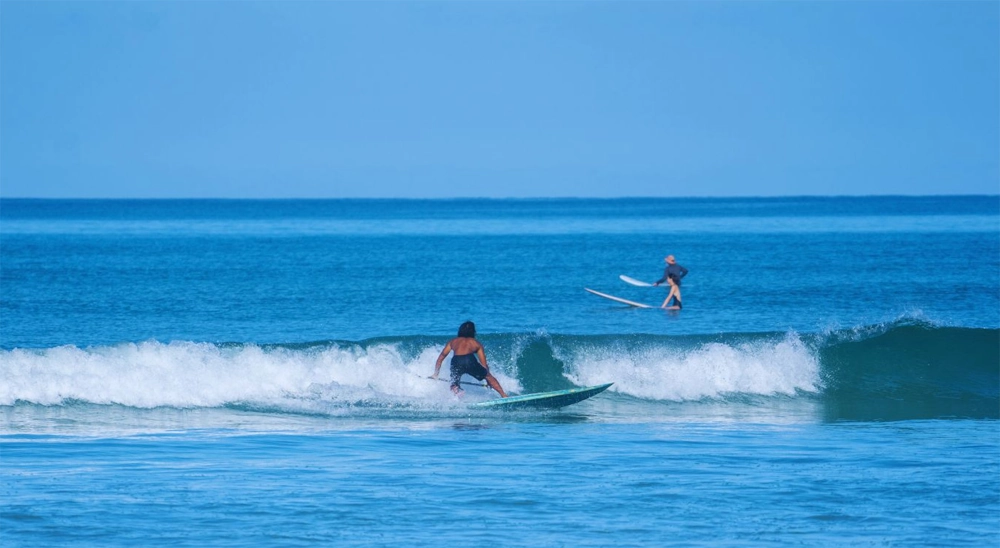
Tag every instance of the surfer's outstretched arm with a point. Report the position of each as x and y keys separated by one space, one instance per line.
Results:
x=437 y=366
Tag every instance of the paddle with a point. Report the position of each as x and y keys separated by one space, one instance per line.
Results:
x=460 y=382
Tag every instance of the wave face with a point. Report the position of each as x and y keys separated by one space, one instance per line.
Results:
x=913 y=371
x=904 y=370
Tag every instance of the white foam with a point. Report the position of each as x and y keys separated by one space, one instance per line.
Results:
x=201 y=375
x=187 y=374
x=712 y=370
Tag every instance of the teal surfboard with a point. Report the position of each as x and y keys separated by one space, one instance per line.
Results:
x=543 y=400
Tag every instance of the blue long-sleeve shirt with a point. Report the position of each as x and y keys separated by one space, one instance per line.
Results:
x=674 y=271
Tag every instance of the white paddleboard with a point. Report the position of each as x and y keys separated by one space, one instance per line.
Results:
x=618 y=299
x=634 y=281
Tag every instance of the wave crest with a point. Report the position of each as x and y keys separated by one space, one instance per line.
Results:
x=711 y=370
x=899 y=370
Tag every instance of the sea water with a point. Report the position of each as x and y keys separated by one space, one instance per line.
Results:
x=232 y=373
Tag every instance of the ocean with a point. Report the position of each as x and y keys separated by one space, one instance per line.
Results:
x=254 y=372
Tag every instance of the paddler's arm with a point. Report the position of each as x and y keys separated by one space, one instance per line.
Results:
x=664 y=278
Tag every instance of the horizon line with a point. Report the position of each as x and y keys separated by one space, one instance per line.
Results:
x=496 y=198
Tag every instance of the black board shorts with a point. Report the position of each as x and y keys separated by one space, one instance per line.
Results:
x=466 y=364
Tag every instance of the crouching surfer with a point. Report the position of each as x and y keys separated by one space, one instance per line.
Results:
x=466 y=348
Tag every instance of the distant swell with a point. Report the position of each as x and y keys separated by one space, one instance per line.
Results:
x=898 y=371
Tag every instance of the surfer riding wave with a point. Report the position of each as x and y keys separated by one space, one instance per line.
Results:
x=466 y=348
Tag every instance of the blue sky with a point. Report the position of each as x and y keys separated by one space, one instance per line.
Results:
x=432 y=99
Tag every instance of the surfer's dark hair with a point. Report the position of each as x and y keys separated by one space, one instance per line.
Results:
x=467 y=329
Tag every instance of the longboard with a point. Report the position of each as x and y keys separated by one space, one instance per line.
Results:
x=634 y=281
x=618 y=299
x=543 y=400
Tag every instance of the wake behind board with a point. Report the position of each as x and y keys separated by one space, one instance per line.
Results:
x=618 y=299
x=634 y=281
x=543 y=400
